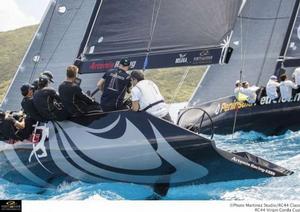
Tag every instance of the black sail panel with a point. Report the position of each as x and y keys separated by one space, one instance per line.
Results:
x=158 y=33
x=292 y=54
x=192 y=24
x=120 y=25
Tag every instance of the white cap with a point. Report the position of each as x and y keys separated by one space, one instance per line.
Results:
x=237 y=82
x=273 y=77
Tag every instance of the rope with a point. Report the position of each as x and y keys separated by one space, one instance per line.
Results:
x=243 y=56
x=180 y=84
x=153 y=26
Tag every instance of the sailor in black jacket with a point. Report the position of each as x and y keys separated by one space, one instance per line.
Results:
x=75 y=101
x=114 y=84
x=47 y=101
x=27 y=103
x=14 y=126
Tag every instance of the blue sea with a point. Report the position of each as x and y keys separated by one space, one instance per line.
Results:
x=283 y=150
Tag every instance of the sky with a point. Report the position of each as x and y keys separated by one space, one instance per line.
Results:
x=18 y=13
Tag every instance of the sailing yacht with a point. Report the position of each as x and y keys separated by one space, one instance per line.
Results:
x=126 y=146
x=266 y=43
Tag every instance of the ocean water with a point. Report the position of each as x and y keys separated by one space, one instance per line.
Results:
x=283 y=150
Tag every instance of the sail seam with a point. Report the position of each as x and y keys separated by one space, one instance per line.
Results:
x=269 y=44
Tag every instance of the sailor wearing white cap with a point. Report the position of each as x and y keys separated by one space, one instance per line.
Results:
x=271 y=87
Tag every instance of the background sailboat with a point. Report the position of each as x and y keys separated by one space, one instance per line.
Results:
x=263 y=41
x=257 y=39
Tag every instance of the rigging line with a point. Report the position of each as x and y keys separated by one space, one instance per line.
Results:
x=241 y=38
x=180 y=84
x=246 y=39
x=64 y=33
x=262 y=19
x=269 y=44
x=153 y=26
x=243 y=59
x=43 y=41
x=235 y=118
x=241 y=73
x=152 y=20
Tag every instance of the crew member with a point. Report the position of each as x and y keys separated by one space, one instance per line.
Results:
x=296 y=75
x=47 y=101
x=114 y=85
x=272 y=87
x=250 y=92
x=75 y=101
x=12 y=126
x=146 y=97
x=286 y=87
x=27 y=103
x=237 y=88
x=49 y=75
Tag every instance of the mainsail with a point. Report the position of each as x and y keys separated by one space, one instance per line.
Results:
x=158 y=33
x=257 y=38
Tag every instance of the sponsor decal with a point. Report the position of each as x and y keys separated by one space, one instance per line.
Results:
x=234 y=106
x=181 y=59
x=38 y=144
x=10 y=205
x=265 y=100
x=101 y=66
x=204 y=57
x=257 y=167
x=132 y=64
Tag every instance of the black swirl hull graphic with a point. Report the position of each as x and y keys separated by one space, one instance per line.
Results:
x=128 y=147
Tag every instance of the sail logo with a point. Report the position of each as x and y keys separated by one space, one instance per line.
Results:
x=204 y=57
x=204 y=53
x=181 y=59
x=101 y=66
